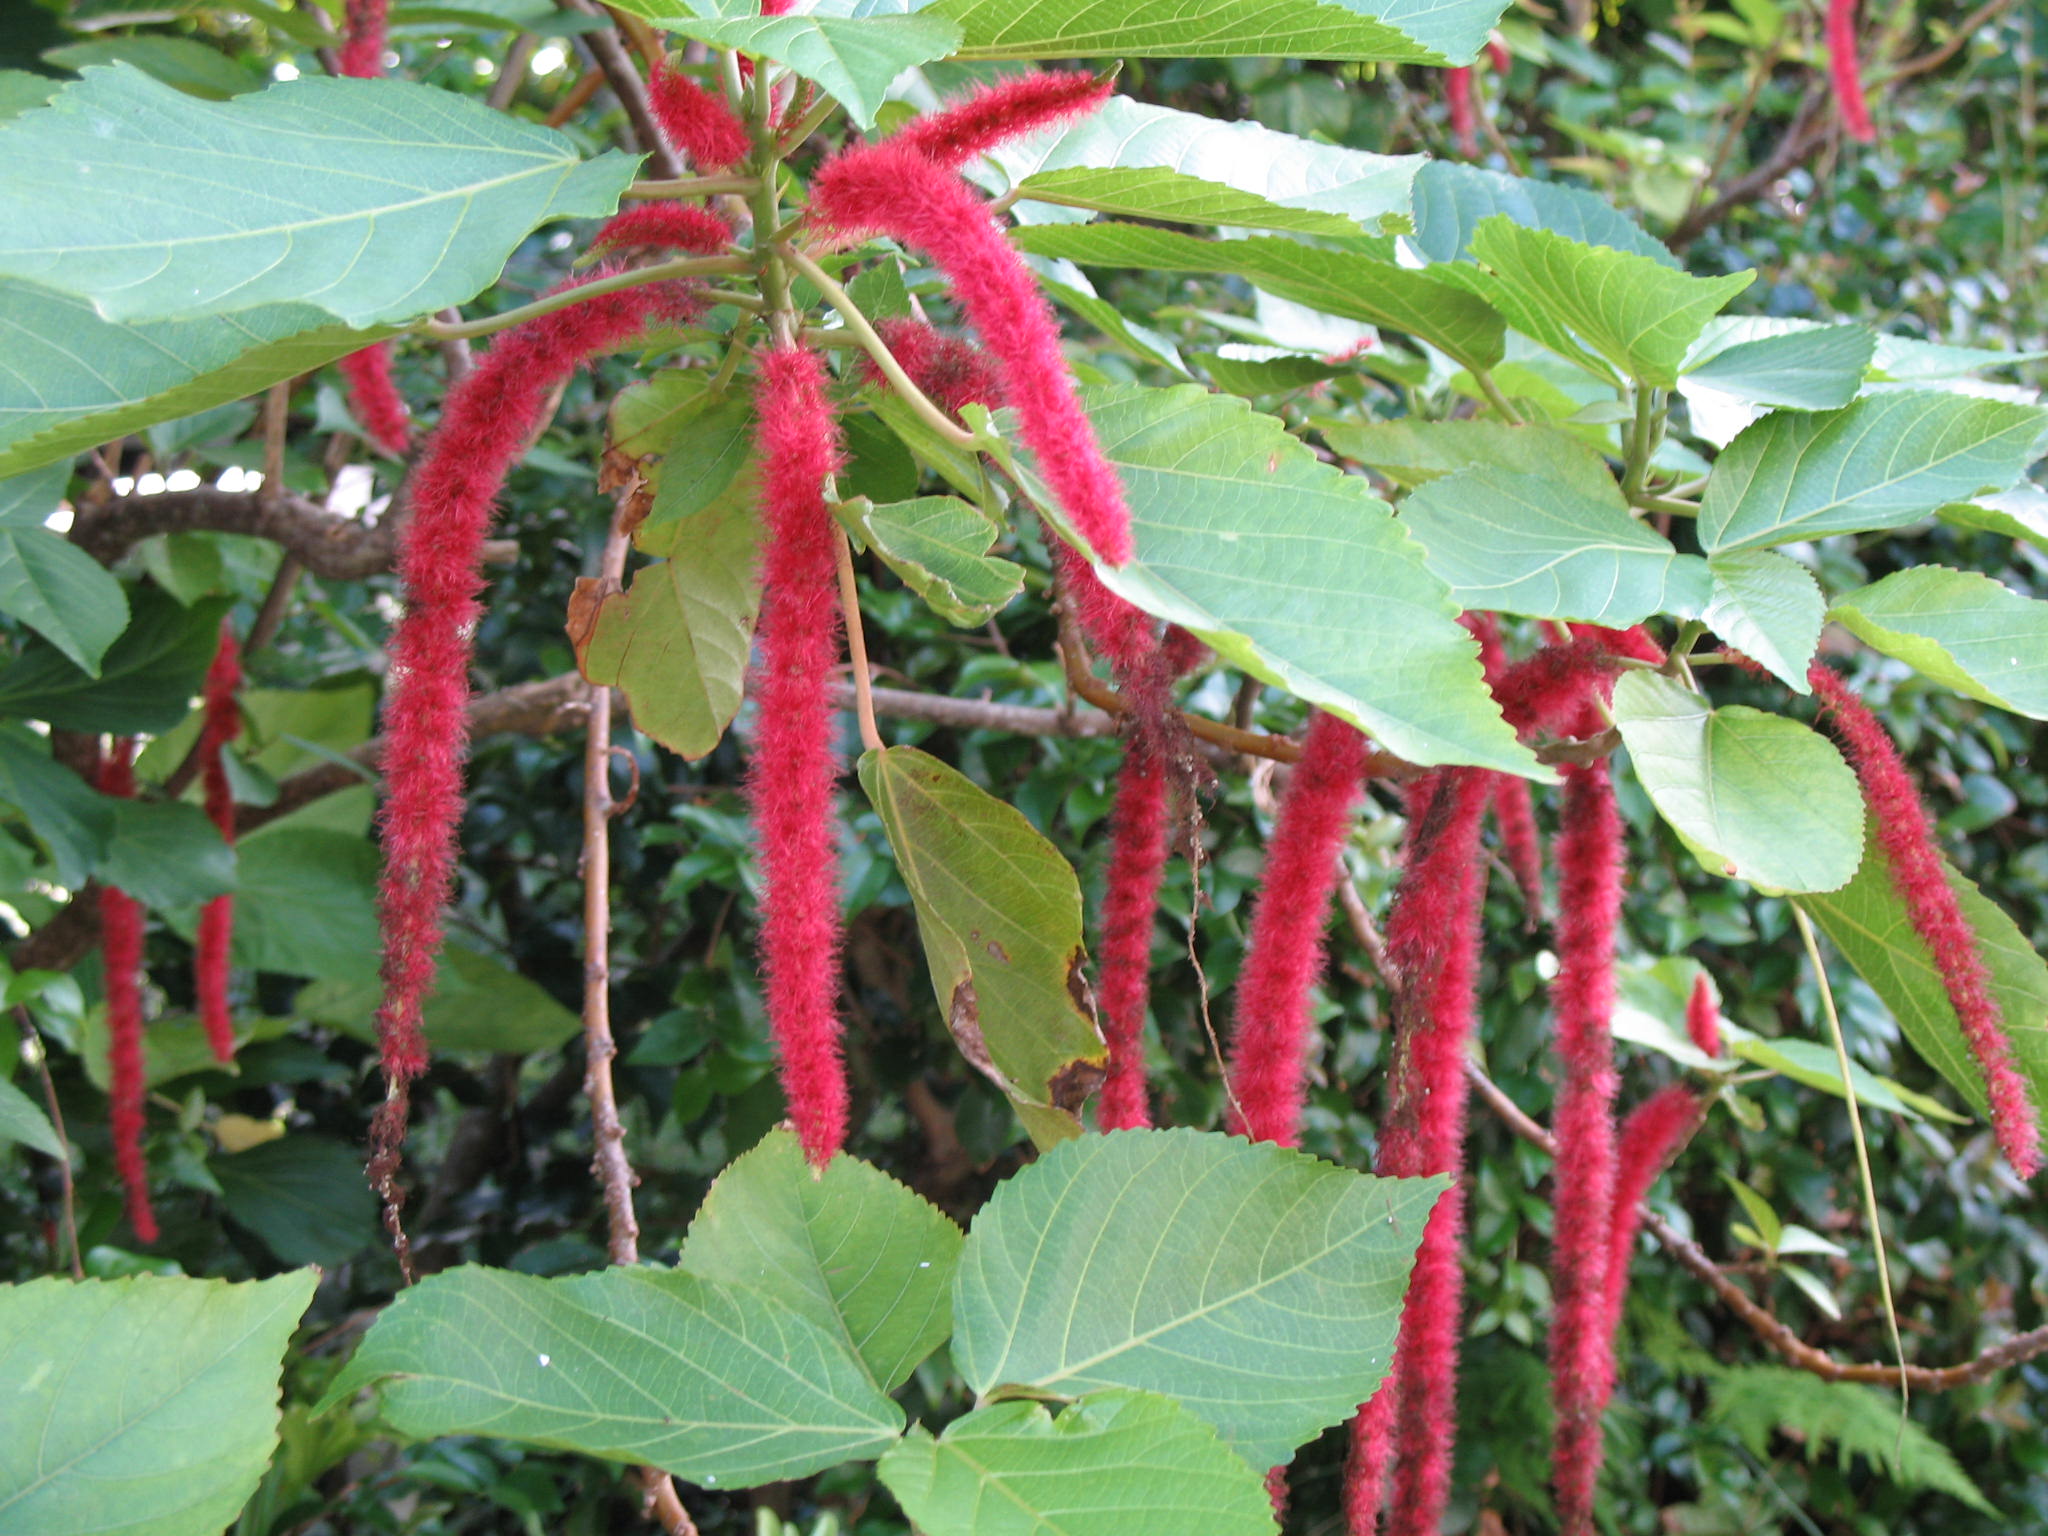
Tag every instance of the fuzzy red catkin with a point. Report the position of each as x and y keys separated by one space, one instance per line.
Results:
x=1000 y=111
x=1269 y=1046
x=483 y=431
x=1464 y=121
x=1589 y=865
x=121 y=959
x=1514 y=809
x=374 y=400
x=1846 y=72
x=1498 y=56
x=362 y=48
x=794 y=771
x=1651 y=1137
x=1130 y=901
x=951 y=370
x=1918 y=874
x=698 y=123
x=668 y=225
x=1703 y=1016
x=222 y=724
x=1432 y=938
x=891 y=189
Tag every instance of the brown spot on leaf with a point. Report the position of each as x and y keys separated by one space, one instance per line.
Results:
x=1082 y=995
x=586 y=598
x=1071 y=1085
x=622 y=471
x=997 y=952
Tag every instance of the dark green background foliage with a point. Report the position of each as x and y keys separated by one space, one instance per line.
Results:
x=1935 y=232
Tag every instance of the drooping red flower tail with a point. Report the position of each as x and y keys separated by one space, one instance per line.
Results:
x=121 y=958
x=1130 y=904
x=484 y=428
x=1464 y=120
x=1514 y=812
x=362 y=46
x=374 y=400
x=1589 y=867
x=1269 y=1046
x=1703 y=1016
x=951 y=370
x=1498 y=56
x=1654 y=1133
x=794 y=772
x=891 y=189
x=1432 y=938
x=223 y=723
x=1845 y=70
x=1000 y=111
x=1918 y=874
x=697 y=122
x=664 y=225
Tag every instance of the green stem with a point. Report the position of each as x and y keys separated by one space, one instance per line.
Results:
x=1642 y=442
x=693 y=186
x=1870 y=1211
x=1495 y=398
x=865 y=333
x=1671 y=504
x=688 y=266
x=808 y=124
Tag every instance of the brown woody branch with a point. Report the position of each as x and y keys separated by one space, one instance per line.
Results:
x=1763 y=1322
x=325 y=543
x=615 y=60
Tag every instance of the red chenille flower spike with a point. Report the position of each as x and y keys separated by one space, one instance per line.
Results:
x=1000 y=111
x=223 y=723
x=121 y=958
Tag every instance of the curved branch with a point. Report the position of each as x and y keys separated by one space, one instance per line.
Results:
x=326 y=543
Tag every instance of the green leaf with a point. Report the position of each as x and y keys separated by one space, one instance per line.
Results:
x=1450 y=201
x=1965 y=631
x=146 y=680
x=999 y=912
x=1813 y=1063
x=183 y=62
x=1883 y=462
x=2020 y=513
x=852 y=49
x=1769 y=607
x=26 y=501
x=939 y=546
x=1350 y=283
x=1112 y=1464
x=304 y=1196
x=1814 y=370
x=717 y=1384
x=1141 y=161
x=1867 y=921
x=1295 y=572
x=1412 y=452
x=71 y=819
x=1238 y=369
x=23 y=1122
x=167 y=855
x=694 y=448
x=20 y=90
x=173 y=1046
x=1631 y=311
x=1520 y=543
x=678 y=638
x=62 y=593
x=1755 y=796
x=374 y=200
x=1404 y=31
x=140 y=1407
x=75 y=381
x=1257 y=1285
x=1907 y=360
x=306 y=904
x=850 y=1249
x=478 y=1004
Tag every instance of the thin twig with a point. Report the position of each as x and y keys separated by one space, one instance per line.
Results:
x=634 y=277
x=1934 y=58
x=32 y=1041
x=277 y=401
x=856 y=647
x=512 y=73
x=609 y=51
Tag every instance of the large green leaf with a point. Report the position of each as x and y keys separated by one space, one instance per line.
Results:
x=1450 y=201
x=307 y=904
x=1294 y=571
x=70 y=818
x=1406 y=31
x=1522 y=543
x=1756 y=796
x=1867 y=921
x=1882 y=462
x=146 y=680
x=184 y=62
x=1965 y=631
x=477 y=1004
x=999 y=912
x=939 y=546
x=1354 y=284
x=139 y=1407
x=857 y=1253
x=1412 y=452
x=374 y=200
x=1632 y=312
x=1112 y=1464
x=1769 y=607
x=718 y=1384
x=694 y=447
x=1815 y=370
x=1143 y=161
x=852 y=49
x=303 y=1195
x=62 y=593
x=74 y=380
x=1259 y=1286
x=167 y=855
x=23 y=1122
x=2020 y=513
